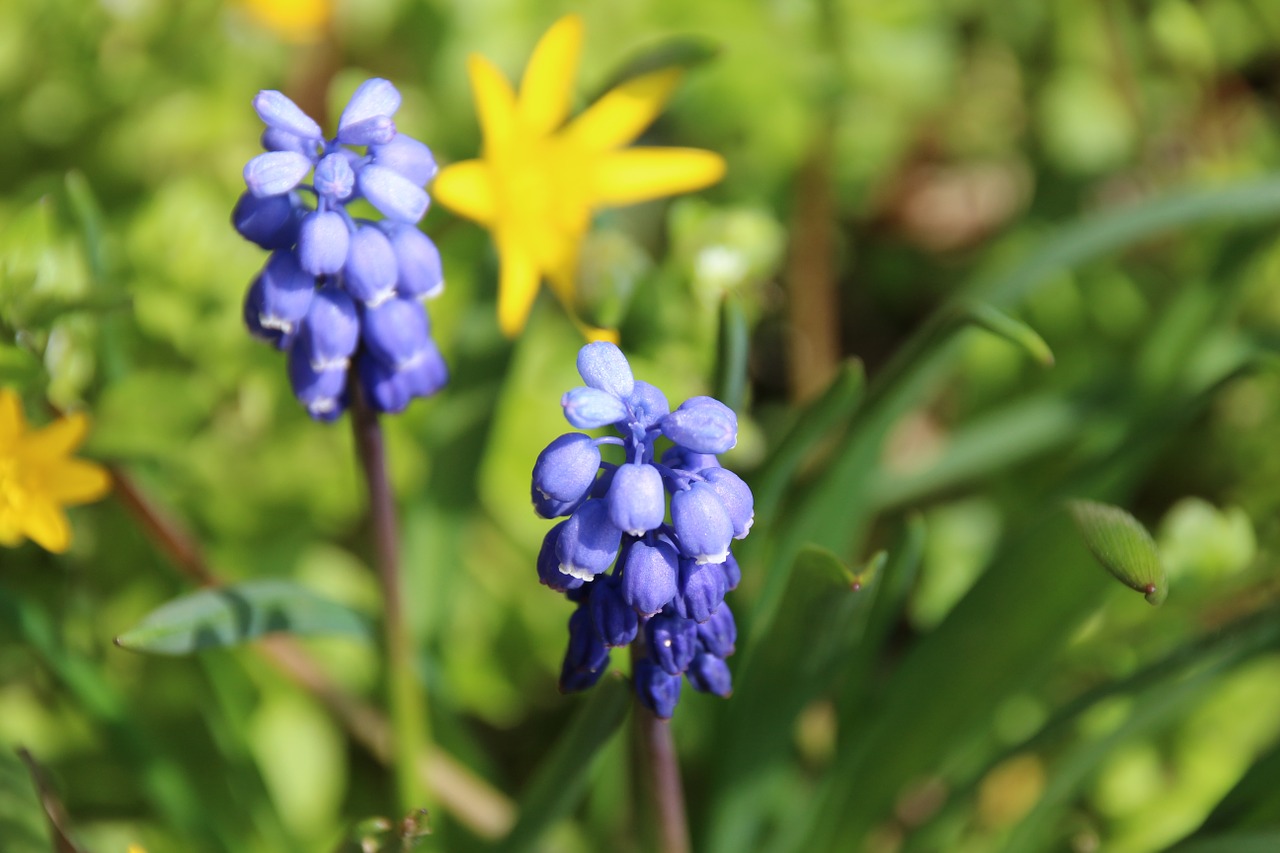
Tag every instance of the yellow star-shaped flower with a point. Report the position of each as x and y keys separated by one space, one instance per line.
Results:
x=539 y=178
x=38 y=477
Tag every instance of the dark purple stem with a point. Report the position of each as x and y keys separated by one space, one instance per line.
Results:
x=658 y=772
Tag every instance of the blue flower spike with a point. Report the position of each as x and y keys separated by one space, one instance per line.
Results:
x=646 y=551
x=326 y=262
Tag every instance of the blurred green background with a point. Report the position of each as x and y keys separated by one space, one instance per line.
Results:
x=1100 y=170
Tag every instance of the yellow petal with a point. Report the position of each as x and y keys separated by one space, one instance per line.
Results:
x=623 y=113
x=495 y=101
x=56 y=440
x=46 y=524
x=641 y=174
x=75 y=481
x=10 y=530
x=12 y=423
x=466 y=188
x=547 y=87
x=517 y=287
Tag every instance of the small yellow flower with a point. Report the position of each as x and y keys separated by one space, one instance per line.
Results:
x=539 y=179
x=38 y=477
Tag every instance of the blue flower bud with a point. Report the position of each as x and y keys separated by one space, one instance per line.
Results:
x=275 y=139
x=673 y=641
x=396 y=331
x=330 y=331
x=588 y=543
x=393 y=194
x=549 y=565
x=275 y=172
x=323 y=240
x=684 y=459
x=603 y=366
x=280 y=113
x=703 y=425
x=615 y=620
x=286 y=293
x=373 y=97
x=371 y=266
x=700 y=590
x=648 y=403
x=710 y=674
x=321 y=391
x=252 y=313
x=637 y=499
x=381 y=384
x=736 y=497
x=587 y=408
x=732 y=574
x=649 y=575
x=587 y=657
x=271 y=222
x=564 y=473
x=656 y=690
x=334 y=177
x=375 y=130
x=408 y=156
x=719 y=634
x=426 y=373
x=418 y=268
x=702 y=525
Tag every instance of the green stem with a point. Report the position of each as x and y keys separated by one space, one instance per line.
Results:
x=404 y=694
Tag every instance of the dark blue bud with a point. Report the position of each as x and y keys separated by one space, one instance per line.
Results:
x=549 y=565
x=271 y=222
x=588 y=543
x=373 y=97
x=280 y=113
x=673 y=641
x=321 y=391
x=375 y=130
x=334 y=177
x=418 y=268
x=732 y=574
x=426 y=373
x=702 y=524
x=603 y=367
x=719 y=634
x=396 y=331
x=648 y=403
x=656 y=690
x=563 y=474
x=700 y=590
x=587 y=657
x=382 y=385
x=736 y=497
x=330 y=331
x=408 y=156
x=275 y=172
x=275 y=139
x=649 y=575
x=286 y=293
x=637 y=499
x=615 y=620
x=710 y=674
x=684 y=459
x=703 y=425
x=323 y=240
x=252 y=313
x=393 y=194
x=371 y=266
x=587 y=408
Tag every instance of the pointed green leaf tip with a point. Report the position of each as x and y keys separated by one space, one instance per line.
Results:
x=680 y=51
x=230 y=615
x=1014 y=331
x=1123 y=546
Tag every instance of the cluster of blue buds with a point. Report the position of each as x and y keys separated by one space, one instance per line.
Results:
x=340 y=292
x=669 y=578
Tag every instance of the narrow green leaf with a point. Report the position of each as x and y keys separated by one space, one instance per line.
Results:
x=1123 y=546
x=228 y=616
x=1258 y=841
x=731 y=370
x=1014 y=331
x=23 y=825
x=684 y=51
x=560 y=780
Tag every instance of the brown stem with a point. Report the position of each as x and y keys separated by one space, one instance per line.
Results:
x=658 y=770
x=53 y=808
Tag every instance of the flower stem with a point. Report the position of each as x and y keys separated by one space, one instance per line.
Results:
x=405 y=698
x=658 y=775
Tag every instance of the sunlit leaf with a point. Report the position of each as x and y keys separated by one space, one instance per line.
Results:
x=1014 y=331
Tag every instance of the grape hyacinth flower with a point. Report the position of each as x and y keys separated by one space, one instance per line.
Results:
x=635 y=577
x=339 y=293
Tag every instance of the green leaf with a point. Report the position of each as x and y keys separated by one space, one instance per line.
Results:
x=684 y=51
x=560 y=780
x=1123 y=546
x=1264 y=841
x=230 y=615
x=731 y=369
x=18 y=367
x=23 y=825
x=1014 y=331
